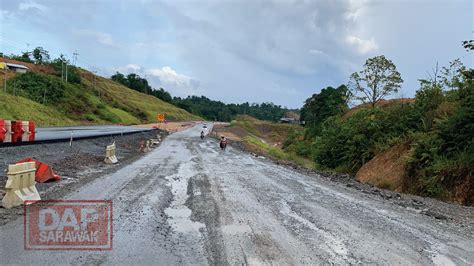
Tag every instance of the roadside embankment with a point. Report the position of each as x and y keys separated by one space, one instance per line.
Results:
x=261 y=138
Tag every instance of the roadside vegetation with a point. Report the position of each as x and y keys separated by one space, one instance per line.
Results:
x=202 y=106
x=263 y=138
x=436 y=129
x=45 y=95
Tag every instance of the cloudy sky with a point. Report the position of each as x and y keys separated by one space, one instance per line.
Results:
x=243 y=50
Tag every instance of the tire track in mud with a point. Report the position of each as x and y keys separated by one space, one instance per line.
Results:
x=206 y=211
x=244 y=241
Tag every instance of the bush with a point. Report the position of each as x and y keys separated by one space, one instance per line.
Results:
x=73 y=75
x=443 y=158
x=37 y=87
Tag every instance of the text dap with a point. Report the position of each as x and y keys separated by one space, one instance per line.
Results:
x=80 y=224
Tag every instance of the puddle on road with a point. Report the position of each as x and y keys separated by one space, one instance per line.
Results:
x=178 y=212
x=181 y=222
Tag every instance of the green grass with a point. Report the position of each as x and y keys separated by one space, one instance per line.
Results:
x=269 y=131
x=84 y=103
x=19 y=108
x=258 y=145
x=262 y=133
x=146 y=107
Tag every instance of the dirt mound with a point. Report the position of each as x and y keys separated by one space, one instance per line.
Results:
x=386 y=170
x=31 y=66
x=232 y=133
x=382 y=103
x=246 y=118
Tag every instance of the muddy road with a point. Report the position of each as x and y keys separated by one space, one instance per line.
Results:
x=187 y=202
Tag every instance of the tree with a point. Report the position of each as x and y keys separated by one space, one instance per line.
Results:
x=468 y=45
x=24 y=57
x=120 y=78
x=40 y=55
x=320 y=106
x=163 y=95
x=378 y=79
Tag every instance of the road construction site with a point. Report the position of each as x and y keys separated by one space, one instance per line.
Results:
x=187 y=202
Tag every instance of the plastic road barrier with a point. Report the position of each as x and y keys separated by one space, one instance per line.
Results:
x=25 y=125
x=32 y=131
x=17 y=131
x=110 y=157
x=20 y=185
x=43 y=171
x=3 y=130
x=8 y=128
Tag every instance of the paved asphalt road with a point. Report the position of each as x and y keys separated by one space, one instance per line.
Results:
x=55 y=133
x=189 y=203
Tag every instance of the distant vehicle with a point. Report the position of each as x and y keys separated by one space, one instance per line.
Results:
x=204 y=126
x=223 y=143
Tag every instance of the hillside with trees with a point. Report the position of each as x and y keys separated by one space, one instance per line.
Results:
x=203 y=106
x=52 y=96
x=428 y=140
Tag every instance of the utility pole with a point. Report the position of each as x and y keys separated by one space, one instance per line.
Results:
x=5 y=87
x=74 y=58
x=44 y=95
x=66 y=72
x=95 y=83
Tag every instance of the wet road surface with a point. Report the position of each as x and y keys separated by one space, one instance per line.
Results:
x=187 y=202
x=61 y=133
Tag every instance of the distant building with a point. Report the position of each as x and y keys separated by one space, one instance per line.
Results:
x=14 y=67
x=289 y=120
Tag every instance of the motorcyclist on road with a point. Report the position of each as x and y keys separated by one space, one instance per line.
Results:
x=223 y=143
x=202 y=134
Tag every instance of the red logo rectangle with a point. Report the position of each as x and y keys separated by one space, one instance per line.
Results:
x=68 y=225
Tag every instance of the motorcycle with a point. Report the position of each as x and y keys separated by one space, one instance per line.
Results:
x=223 y=144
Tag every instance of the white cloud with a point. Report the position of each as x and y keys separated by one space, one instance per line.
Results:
x=130 y=68
x=315 y=51
x=100 y=37
x=31 y=5
x=170 y=76
x=362 y=46
x=166 y=77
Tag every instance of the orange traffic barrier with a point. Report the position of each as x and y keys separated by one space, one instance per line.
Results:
x=31 y=131
x=3 y=130
x=17 y=131
x=43 y=171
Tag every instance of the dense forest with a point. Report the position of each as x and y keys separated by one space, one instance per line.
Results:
x=437 y=126
x=203 y=106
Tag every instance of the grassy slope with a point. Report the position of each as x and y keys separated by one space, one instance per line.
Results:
x=263 y=137
x=124 y=98
x=13 y=107
x=82 y=105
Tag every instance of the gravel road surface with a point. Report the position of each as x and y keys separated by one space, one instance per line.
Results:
x=187 y=202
